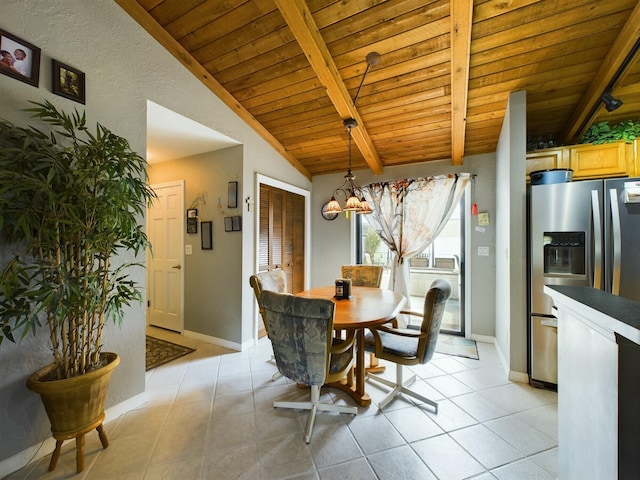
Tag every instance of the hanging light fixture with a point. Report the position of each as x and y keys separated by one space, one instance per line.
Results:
x=354 y=197
x=353 y=194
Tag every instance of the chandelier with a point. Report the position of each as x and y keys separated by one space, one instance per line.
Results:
x=352 y=193
x=354 y=197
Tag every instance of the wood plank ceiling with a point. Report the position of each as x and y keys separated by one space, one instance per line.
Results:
x=292 y=69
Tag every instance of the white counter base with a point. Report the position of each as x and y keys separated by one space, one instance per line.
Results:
x=598 y=368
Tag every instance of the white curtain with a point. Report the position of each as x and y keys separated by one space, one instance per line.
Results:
x=409 y=214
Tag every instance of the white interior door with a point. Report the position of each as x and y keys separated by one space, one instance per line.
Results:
x=166 y=261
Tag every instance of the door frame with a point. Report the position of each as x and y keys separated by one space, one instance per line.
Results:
x=262 y=179
x=180 y=184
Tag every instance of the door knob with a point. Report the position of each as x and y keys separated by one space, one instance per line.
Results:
x=177 y=266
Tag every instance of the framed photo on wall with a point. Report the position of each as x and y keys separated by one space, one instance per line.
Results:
x=233 y=224
x=206 y=235
x=67 y=82
x=192 y=221
x=232 y=201
x=19 y=59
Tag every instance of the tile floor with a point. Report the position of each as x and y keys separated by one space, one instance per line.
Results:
x=209 y=415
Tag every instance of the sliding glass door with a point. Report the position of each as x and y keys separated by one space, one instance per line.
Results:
x=444 y=258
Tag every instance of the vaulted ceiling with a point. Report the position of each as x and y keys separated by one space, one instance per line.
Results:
x=293 y=68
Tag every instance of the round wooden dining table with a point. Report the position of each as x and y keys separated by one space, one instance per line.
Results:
x=367 y=307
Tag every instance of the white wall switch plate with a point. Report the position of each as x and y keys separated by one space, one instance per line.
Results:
x=188 y=250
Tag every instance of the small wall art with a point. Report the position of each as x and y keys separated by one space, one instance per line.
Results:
x=206 y=235
x=67 y=82
x=232 y=201
x=233 y=224
x=19 y=59
x=192 y=221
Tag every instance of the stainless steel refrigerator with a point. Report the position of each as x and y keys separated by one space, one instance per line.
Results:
x=580 y=233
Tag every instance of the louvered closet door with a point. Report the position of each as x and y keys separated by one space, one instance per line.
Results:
x=282 y=236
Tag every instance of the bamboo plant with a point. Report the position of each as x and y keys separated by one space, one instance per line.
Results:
x=70 y=205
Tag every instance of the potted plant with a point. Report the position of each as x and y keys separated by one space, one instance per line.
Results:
x=70 y=203
x=601 y=132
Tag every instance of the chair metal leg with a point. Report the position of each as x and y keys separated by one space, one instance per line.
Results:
x=390 y=396
x=276 y=375
x=382 y=380
x=398 y=387
x=415 y=395
x=315 y=399
x=310 y=422
x=315 y=406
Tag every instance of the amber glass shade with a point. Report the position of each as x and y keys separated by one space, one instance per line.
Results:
x=333 y=206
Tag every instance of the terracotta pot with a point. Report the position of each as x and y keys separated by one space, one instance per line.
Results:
x=74 y=404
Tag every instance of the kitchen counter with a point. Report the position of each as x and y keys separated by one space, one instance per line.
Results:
x=598 y=384
x=612 y=313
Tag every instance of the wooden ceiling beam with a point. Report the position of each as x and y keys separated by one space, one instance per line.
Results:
x=461 y=18
x=146 y=21
x=590 y=103
x=300 y=21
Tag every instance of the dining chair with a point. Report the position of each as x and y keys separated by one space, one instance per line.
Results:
x=275 y=281
x=363 y=275
x=366 y=276
x=301 y=332
x=408 y=346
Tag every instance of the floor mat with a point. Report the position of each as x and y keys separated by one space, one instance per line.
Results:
x=458 y=346
x=160 y=352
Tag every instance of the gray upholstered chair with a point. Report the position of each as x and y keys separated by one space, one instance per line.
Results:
x=366 y=276
x=275 y=281
x=363 y=275
x=409 y=346
x=300 y=330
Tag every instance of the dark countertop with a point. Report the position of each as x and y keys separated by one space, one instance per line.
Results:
x=618 y=308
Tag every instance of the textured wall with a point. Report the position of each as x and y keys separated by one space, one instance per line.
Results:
x=511 y=254
x=124 y=68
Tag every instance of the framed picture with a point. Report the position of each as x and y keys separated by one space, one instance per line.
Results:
x=236 y=223
x=19 y=59
x=233 y=224
x=233 y=195
x=192 y=226
x=206 y=235
x=67 y=81
x=192 y=221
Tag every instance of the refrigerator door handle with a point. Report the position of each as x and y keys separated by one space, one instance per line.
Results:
x=616 y=240
x=597 y=240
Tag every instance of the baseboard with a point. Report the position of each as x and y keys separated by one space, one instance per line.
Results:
x=132 y=403
x=46 y=447
x=27 y=456
x=213 y=340
x=518 y=377
x=512 y=375
x=483 y=338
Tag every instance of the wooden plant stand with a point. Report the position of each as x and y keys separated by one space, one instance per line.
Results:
x=79 y=436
